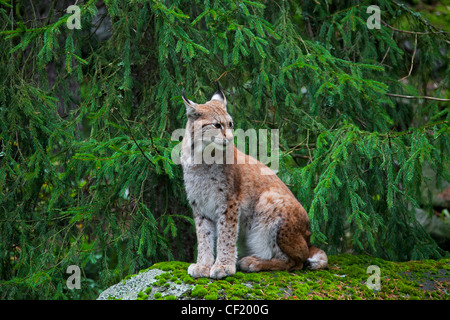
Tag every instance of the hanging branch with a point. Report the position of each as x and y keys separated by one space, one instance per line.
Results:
x=440 y=32
x=421 y=20
x=224 y=73
x=416 y=97
x=404 y=31
x=412 y=59
x=132 y=136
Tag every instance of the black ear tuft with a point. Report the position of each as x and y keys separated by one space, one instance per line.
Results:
x=183 y=95
x=187 y=102
x=191 y=110
x=219 y=95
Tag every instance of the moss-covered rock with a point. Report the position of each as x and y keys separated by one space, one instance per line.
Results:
x=346 y=278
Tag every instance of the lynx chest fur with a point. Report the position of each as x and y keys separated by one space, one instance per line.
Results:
x=206 y=189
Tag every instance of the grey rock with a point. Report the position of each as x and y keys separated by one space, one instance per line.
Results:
x=129 y=289
x=440 y=195
x=438 y=228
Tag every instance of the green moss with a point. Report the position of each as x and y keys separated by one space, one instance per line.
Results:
x=239 y=290
x=222 y=284
x=199 y=291
x=165 y=276
x=231 y=279
x=345 y=278
x=302 y=291
x=187 y=279
x=157 y=295
x=142 y=296
x=170 y=298
x=170 y=266
x=203 y=281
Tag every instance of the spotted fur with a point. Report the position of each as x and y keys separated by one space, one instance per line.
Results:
x=234 y=203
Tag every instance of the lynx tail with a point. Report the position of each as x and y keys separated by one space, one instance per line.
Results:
x=317 y=259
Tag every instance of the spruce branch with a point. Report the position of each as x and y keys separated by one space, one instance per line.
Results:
x=224 y=73
x=421 y=20
x=384 y=57
x=406 y=31
x=98 y=25
x=132 y=136
x=416 y=97
x=412 y=59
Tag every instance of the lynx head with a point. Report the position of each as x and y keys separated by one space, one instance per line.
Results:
x=210 y=122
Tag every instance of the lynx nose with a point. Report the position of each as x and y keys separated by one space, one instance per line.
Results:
x=228 y=135
x=222 y=141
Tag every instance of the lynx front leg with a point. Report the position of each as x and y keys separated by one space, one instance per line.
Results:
x=227 y=225
x=205 y=229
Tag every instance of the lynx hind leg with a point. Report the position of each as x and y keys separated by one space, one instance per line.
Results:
x=288 y=253
x=317 y=259
x=255 y=264
x=293 y=244
x=264 y=252
x=295 y=252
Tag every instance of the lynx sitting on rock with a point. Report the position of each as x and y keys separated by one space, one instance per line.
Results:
x=238 y=204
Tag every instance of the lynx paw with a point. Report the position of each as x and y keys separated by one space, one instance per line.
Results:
x=249 y=264
x=198 y=271
x=221 y=271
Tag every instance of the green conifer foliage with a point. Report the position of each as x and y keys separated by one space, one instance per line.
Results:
x=87 y=116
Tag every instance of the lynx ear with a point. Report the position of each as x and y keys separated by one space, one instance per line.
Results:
x=191 y=110
x=219 y=96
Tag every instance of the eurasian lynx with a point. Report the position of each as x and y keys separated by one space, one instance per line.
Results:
x=238 y=205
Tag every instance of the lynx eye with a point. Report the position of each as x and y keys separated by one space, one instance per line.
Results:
x=217 y=125
x=231 y=124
